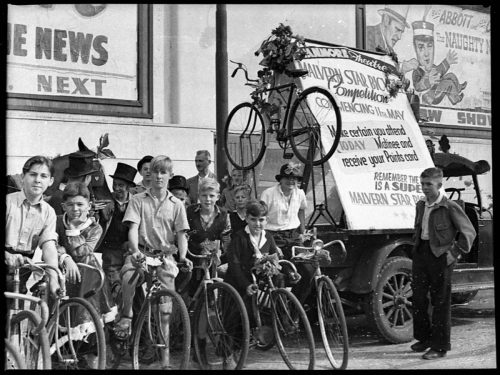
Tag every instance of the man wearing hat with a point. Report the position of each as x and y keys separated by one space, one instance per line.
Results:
x=114 y=244
x=143 y=166
x=80 y=169
x=179 y=188
x=434 y=79
x=388 y=32
x=286 y=220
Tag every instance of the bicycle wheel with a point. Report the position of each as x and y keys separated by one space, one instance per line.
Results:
x=292 y=331
x=12 y=358
x=314 y=126
x=221 y=328
x=76 y=336
x=244 y=136
x=32 y=348
x=169 y=346
x=332 y=324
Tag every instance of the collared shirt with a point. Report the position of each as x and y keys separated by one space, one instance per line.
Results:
x=425 y=219
x=257 y=242
x=159 y=221
x=139 y=188
x=282 y=210
x=28 y=225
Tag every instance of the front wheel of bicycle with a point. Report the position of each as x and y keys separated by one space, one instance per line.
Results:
x=332 y=324
x=244 y=136
x=221 y=328
x=162 y=334
x=292 y=331
x=314 y=126
x=32 y=347
x=12 y=358
x=76 y=336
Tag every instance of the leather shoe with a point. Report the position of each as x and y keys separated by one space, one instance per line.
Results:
x=434 y=354
x=420 y=346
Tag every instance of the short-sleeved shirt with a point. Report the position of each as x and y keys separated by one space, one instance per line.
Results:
x=28 y=225
x=158 y=221
x=283 y=211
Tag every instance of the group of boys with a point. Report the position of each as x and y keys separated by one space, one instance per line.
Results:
x=147 y=217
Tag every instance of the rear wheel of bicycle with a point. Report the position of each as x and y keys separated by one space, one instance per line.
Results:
x=314 y=126
x=244 y=136
x=221 y=328
x=332 y=324
x=76 y=336
x=12 y=358
x=292 y=331
x=32 y=347
x=162 y=334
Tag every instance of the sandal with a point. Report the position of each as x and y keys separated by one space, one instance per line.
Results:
x=123 y=328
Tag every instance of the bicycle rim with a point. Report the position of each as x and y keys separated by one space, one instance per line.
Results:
x=294 y=337
x=244 y=136
x=314 y=126
x=12 y=358
x=221 y=328
x=169 y=347
x=33 y=349
x=76 y=336
x=332 y=324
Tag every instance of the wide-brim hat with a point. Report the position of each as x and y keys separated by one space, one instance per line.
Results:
x=398 y=12
x=289 y=170
x=178 y=182
x=81 y=163
x=125 y=172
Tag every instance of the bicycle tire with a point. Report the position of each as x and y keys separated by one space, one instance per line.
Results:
x=147 y=331
x=32 y=357
x=89 y=342
x=226 y=327
x=246 y=124
x=292 y=331
x=332 y=324
x=12 y=359
x=325 y=130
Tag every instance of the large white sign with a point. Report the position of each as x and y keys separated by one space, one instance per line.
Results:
x=73 y=50
x=381 y=153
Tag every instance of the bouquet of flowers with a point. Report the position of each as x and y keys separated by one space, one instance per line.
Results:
x=268 y=265
x=281 y=48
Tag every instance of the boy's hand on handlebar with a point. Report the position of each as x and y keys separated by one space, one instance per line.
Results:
x=72 y=271
x=137 y=258
x=13 y=261
x=252 y=289
x=186 y=265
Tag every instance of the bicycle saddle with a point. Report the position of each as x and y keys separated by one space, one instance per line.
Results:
x=296 y=73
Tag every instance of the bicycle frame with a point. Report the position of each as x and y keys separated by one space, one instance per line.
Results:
x=293 y=86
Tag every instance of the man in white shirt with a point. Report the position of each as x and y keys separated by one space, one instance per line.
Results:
x=286 y=220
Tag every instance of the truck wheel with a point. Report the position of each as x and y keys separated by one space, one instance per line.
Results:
x=389 y=307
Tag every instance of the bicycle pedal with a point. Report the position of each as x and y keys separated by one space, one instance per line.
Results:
x=287 y=155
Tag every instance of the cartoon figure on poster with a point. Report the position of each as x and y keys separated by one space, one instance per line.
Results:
x=385 y=35
x=434 y=81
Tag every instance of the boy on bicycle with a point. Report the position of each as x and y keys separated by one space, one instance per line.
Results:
x=31 y=223
x=155 y=219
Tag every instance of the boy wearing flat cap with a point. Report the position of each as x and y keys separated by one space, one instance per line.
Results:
x=143 y=167
x=114 y=244
x=179 y=188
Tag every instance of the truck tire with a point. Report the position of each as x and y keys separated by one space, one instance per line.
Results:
x=388 y=307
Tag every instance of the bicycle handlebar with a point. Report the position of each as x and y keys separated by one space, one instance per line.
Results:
x=312 y=248
x=244 y=68
x=44 y=309
x=61 y=292
x=101 y=276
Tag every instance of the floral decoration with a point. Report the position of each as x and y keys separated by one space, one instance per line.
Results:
x=293 y=168
x=268 y=265
x=394 y=85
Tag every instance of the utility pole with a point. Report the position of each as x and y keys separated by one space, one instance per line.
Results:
x=221 y=97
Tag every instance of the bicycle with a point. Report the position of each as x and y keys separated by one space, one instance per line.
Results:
x=311 y=123
x=26 y=330
x=219 y=316
x=76 y=332
x=291 y=329
x=331 y=318
x=167 y=331
x=12 y=359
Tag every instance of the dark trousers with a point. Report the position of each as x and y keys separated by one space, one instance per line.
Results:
x=431 y=275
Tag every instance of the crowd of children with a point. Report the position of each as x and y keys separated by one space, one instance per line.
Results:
x=161 y=215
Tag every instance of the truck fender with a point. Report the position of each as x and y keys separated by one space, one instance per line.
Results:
x=367 y=269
